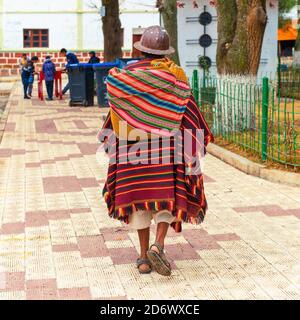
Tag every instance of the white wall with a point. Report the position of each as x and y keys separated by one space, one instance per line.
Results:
x=135 y=20
x=270 y=44
x=62 y=29
x=93 y=36
x=63 y=26
x=193 y=30
x=92 y=31
x=39 y=5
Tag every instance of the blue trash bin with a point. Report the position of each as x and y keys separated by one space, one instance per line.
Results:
x=124 y=62
x=101 y=70
x=81 y=79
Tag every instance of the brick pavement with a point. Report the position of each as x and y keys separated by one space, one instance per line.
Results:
x=57 y=241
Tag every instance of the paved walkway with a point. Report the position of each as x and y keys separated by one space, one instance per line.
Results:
x=57 y=242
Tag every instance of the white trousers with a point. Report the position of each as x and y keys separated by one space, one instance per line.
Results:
x=140 y=220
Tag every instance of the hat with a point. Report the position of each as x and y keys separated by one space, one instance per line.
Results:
x=155 y=40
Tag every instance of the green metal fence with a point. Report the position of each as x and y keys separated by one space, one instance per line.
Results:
x=289 y=82
x=253 y=114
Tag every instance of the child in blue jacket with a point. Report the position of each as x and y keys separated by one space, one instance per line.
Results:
x=32 y=73
x=49 y=72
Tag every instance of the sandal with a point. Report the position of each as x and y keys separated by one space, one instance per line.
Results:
x=159 y=260
x=140 y=262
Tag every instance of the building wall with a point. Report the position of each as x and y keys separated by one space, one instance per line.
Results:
x=9 y=61
x=73 y=24
x=189 y=54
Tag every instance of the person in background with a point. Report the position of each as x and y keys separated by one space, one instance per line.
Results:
x=49 y=72
x=32 y=73
x=24 y=61
x=71 y=59
x=93 y=58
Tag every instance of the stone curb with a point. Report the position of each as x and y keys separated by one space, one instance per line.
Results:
x=252 y=168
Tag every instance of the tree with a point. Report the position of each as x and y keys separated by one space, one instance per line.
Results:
x=111 y=26
x=168 y=10
x=239 y=43
x=241 y=28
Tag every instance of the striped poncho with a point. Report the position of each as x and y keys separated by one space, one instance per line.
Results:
x=159 y=184
x=151 y=99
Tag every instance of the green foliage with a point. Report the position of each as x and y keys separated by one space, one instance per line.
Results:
x=286 y=5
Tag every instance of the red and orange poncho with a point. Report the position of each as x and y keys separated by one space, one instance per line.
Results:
x=156 y=182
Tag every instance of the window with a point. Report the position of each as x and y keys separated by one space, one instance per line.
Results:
x=36 y=38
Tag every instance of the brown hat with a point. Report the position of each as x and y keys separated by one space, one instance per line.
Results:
x=155 y=40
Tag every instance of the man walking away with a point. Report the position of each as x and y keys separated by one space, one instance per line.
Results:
x=32 y=73
x=71 y=59
x=154 y=97
x=93 y=58
x=49 y=72
x=24 y=60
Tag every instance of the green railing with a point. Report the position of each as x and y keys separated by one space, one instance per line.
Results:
x=253 y=114
x=289 y=82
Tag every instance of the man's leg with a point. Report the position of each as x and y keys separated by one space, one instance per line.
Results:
x=156 y=253
x=141 y=221
x=47 y=88
x=161 y=233
x=26 y=84
x=51 y=85
x=30 y=87
x=144 y=237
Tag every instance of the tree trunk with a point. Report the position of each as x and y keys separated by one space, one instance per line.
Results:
x=168 y=9
x=241 y=28
x=111 y=26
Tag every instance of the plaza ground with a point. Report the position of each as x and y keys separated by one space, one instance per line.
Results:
x=57 y=241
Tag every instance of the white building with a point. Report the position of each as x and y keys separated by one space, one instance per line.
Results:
x=46 y=26
x=190 y=30
x=74 y=24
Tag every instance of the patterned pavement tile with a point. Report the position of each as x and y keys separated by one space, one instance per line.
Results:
x=84 y=224
x=92 y=246
x=12 y=228
x=36 y=219
x=13 y=295
x=44 y=289
x=181 y=252
x=58 y=242
x=62 y=232
x=119 y=244
x=65 y=247
x=123 y=255
x=61 y=184
x=13 y=281
x=74 y=294
x=70 y=271
x=103 y=278
x=137 y=287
